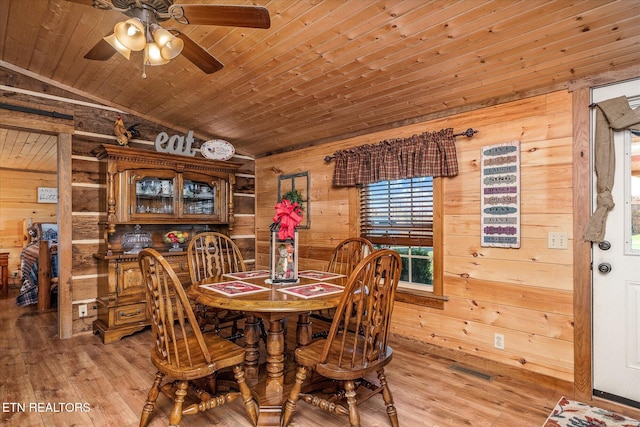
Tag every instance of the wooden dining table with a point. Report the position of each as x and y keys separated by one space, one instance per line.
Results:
x=275 y=303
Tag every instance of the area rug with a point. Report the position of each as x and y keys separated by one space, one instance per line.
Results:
x=569 y=413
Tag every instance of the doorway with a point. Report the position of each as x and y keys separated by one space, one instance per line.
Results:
x=616 y=267
x=63 y=132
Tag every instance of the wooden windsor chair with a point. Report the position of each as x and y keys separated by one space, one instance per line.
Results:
x=210 y=255
x=181 y=352
x=356 y=345
x=346 y=256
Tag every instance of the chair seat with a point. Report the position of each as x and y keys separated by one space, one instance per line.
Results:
x=309 y=355
x=224 y=354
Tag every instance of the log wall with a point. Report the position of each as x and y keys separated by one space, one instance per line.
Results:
x=92 y=126
x=524 y=294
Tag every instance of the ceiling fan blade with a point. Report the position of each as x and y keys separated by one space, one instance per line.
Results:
x=101 y=51
x=85 y=2
x=98 y=4
x=200 y=57
x=215 y=14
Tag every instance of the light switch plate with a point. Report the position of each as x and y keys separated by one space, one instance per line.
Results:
x=557 y=240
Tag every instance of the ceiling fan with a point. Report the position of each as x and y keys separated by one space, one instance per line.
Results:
x=142 y=32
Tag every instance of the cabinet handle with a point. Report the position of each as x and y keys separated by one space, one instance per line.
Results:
x=123 y=314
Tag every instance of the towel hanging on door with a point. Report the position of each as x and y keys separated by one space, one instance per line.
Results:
x=611 y=115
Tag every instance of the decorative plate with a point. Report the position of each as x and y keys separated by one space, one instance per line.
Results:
x=217 y=149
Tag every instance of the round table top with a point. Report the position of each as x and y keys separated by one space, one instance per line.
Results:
x=270 y=300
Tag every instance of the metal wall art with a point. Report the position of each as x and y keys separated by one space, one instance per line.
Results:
x=500 y=198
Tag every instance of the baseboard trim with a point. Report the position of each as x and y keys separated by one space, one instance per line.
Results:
x=488 y=366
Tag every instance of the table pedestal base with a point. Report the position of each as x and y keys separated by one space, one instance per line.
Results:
x=271 y=395
x=272 y=384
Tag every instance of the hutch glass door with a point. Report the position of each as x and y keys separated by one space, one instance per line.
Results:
x=199 y=198
x=154 y=196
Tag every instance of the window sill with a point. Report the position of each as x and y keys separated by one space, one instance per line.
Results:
x=423 y=298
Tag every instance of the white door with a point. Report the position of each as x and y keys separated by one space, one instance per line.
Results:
x=616 y=270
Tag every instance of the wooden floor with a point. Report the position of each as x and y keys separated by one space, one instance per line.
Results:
x=45 y=381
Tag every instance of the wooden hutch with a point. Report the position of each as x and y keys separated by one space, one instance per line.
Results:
x=149 y=194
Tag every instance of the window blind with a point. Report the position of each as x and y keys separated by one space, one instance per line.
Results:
x=398 y=212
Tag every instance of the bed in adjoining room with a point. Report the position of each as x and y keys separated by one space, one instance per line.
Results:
x=39 y=266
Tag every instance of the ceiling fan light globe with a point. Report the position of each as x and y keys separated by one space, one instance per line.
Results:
x=152 y=55
x=131 y=34
x=119 y=47
x=172 y=49
x=160 y=35
x=170 y=46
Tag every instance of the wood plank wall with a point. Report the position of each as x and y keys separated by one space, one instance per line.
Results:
x=525 y=294
x=18 y=201
x=93 y=126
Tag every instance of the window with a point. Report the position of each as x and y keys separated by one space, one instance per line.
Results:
x=399 y=215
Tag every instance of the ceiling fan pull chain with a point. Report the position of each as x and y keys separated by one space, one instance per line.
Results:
x=144 y=60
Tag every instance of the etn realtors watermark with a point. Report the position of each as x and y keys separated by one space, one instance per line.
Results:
x=52 y=407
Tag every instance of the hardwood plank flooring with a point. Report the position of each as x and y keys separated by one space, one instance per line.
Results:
x=39 y=369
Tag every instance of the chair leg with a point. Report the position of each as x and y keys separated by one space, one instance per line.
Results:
x=176 y=412
x=388 y=399
x=263 y=331
x=201 y=315
x=152 y=396
x=290 y=404
x=245 y=393
x=212 y=383
x=350 y=394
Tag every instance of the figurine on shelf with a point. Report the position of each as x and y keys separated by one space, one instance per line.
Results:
x=121 y=133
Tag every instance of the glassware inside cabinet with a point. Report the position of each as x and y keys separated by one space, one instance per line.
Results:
x=154 y=196
x=199 y=198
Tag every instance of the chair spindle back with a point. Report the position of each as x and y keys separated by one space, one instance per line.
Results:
x=360 y=326
x=178 y=340
x=348 y=254
x=213 y=254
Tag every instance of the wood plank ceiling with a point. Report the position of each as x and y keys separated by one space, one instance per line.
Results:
x=30 y=151
x=329 y=68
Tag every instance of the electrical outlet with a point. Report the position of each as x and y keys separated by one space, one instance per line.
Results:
x=498 y=341
x=82 y=310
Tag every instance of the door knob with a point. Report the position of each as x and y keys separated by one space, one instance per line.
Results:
x=604 y=267
x=605 y=245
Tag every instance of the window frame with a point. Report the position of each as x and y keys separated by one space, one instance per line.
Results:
x=300 y=182
x=436 y=297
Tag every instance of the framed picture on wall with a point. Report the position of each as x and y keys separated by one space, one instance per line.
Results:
x=298 y=183
x=47 y=195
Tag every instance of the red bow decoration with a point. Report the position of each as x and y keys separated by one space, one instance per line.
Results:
x=289 y=216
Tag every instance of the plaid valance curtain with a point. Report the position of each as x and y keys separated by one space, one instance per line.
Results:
x=428 y=154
